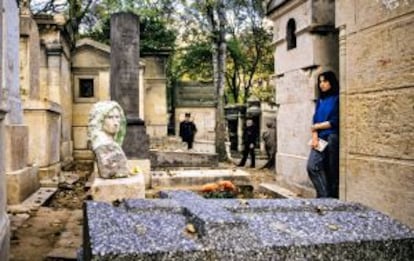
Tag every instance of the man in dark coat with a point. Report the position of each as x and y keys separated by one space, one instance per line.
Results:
x=269 y=138
x=249 y=141
x=188 y=130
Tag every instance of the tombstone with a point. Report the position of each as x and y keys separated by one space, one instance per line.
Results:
x=185 y=226
x=125 y=80
x=124 y=86
x=106 y=132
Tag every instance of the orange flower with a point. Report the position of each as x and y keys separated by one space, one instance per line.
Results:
x=226 y=185
x=209 y=187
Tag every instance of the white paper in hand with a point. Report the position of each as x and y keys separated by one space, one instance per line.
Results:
x=321 y=145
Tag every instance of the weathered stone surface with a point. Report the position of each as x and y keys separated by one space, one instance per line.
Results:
x=199 y=177
x=203 y=117
x=29 y=58
x=83 y=155
x=182 y=159
x=390 y=194
x=353 y=14
x=49 y=172
x=9 y=103
x=308 y=15
x=10 y=70
x=125 y=81
x=144 y=165
x=136 y=144
x=376 y=104
x=382 y=124
x=44 y=128
x=16 y=147
x=194 y=228
x=111 y=160
x=109 y=190
x=106 y=132
x=81 y=114
x=21 y=184
x=293 y=137
x=155 y=102
x=4 y=237
x=4 y=220
x=382 y=53
x=125 y=62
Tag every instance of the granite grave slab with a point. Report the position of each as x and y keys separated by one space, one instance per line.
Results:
x=184 y=226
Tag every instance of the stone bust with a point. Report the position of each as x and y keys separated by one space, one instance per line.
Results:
x=106 y=132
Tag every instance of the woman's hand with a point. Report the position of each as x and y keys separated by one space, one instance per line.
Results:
x=315 y=140
x=315 y=143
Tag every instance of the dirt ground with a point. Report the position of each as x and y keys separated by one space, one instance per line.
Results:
x=54 y=231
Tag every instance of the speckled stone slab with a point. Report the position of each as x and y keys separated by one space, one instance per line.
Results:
x=185 y=226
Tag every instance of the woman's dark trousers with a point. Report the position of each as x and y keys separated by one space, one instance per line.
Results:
x=323 y=169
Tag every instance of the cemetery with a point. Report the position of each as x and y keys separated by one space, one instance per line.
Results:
x=124 y=137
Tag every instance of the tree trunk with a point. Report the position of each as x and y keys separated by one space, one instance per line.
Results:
x=219 y=66
x=220 y=120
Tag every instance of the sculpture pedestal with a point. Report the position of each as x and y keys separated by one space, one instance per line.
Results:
x=145 y=166
x=109 y=190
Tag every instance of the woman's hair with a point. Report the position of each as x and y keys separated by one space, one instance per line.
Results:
x=96 y=117
x=331 y=78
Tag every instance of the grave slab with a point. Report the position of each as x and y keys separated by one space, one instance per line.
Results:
x=184 y=226
x=198 y=177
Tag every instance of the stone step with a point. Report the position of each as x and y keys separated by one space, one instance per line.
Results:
x=39 y=198
x=276 y=191
x=49 y=183
x=68 y=177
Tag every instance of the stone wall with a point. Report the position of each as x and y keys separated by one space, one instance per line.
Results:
x=204 y=119
x=155 y=102
x=20 y=172
x=6 y=6
x=377 y=97
x=296 y=70
x=46 y=92
x=90 y=60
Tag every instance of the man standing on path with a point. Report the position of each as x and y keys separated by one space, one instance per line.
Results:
x=249 y=141
x=269 y=138
x=188 y=130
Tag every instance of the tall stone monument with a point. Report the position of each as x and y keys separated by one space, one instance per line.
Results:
x=125 y=81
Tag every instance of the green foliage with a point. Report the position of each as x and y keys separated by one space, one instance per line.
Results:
x=194 y=62
x=155 y=35
x=220 y=194
x=249 y=55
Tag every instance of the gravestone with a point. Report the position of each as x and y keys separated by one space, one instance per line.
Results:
x=185 y=226
x=125 y=81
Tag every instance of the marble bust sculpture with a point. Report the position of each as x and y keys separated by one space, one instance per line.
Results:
x=106 y=132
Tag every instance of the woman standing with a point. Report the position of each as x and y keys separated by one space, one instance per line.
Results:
x=323 y=163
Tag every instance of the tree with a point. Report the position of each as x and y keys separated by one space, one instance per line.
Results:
x=211 y=16
x=249 y=51
x=76 y=10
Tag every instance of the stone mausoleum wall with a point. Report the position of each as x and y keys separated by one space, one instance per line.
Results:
x=295 y=77
x=377 y=97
